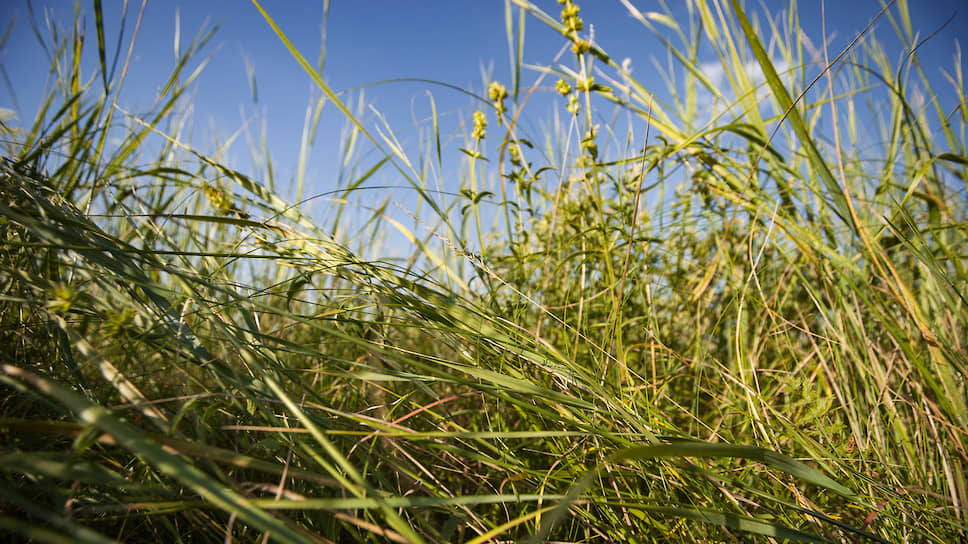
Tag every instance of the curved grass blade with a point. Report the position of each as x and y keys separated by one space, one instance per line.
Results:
x=173 y=466
x=678 y=450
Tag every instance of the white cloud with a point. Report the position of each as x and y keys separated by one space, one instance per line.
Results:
x=709 y=105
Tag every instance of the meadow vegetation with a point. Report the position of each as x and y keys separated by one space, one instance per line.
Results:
x=735 y=315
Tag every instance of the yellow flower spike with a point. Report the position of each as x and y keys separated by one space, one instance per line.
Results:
x=515 y=155
x=570 y=10
x=574 y=106
x=480 y=125
x=497 y=94
x=569 y=18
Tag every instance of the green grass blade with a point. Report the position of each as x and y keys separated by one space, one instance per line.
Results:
x=131 y=438
x=834 y=189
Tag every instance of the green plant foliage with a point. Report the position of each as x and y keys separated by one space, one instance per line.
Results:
x=720 y=326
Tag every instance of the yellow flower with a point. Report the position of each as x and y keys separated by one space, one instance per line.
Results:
x=515 y=155
x=217 y=198
x=562 y=87
x=573 y=105
x=480 y=125
x=497 y=93
x=63 y=298
x=570 y=18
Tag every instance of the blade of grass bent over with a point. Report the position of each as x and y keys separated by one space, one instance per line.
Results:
x=700 y=449
x=167 y=463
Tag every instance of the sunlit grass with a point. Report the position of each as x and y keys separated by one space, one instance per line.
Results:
x=701 y=319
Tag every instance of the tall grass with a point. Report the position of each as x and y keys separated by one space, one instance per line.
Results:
x=698 y=320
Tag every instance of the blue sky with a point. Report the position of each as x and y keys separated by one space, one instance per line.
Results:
x=368 y=41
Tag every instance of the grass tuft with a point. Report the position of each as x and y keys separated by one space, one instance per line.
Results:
x=739 y=327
